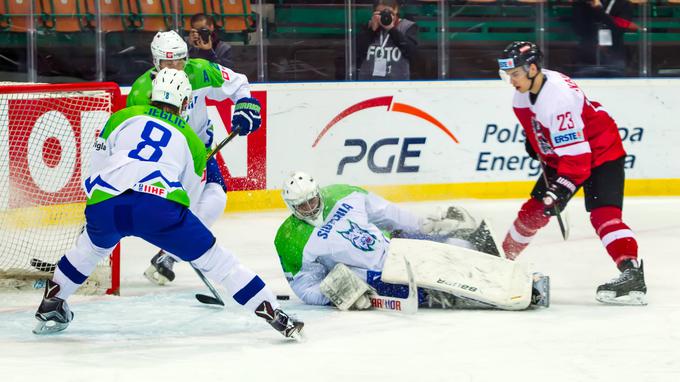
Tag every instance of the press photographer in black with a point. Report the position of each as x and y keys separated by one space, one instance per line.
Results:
x=204 y=43
x=386 y=45
x=600 y=25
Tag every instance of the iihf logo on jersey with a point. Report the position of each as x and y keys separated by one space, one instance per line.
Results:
x=359 y=237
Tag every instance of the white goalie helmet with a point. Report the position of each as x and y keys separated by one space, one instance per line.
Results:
x=168 y=46
x=171 y=86
x=301 y=194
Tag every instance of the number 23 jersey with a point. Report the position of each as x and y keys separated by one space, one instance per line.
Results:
x=568 y=131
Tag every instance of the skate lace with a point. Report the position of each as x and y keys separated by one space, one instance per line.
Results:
x=624 y=276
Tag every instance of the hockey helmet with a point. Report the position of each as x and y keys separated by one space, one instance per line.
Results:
x=519 y=54
x=301 y=194
x=168 y=46
x=171 y=86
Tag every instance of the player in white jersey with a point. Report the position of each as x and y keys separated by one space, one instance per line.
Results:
x=339 y=242
x=145 y=174
x=208 y=80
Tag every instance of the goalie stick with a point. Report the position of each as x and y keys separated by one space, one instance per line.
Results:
x=407 y=305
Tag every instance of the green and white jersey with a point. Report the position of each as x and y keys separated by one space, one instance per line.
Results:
x=207 y=80
x=352 y=234
x=147 y=150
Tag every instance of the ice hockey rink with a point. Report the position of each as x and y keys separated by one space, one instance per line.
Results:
x=164 y=334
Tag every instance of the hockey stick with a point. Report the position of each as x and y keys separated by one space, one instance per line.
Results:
x=564 y=225
x=224 y=142
x=407 y=305
x=215 y=299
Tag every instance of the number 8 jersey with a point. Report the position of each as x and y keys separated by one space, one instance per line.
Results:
x=148 y=150
x=569 y=132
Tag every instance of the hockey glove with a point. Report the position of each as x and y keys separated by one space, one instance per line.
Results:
x=445 y=221
x=557 y=195
x=345 y=289
x=246 y=118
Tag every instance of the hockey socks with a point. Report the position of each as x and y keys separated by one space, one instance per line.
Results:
x=77 y=265
x=244 y=285
x=529 y=220
x=616 y=237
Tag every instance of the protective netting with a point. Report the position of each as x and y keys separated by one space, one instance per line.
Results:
x=46 y=135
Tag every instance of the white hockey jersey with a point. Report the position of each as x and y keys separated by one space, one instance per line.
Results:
x=208 y=80
x=352 y=234
x=147 y=150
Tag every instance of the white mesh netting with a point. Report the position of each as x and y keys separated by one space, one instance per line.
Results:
x=46 y=133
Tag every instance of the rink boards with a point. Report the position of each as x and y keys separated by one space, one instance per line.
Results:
x=430 y=140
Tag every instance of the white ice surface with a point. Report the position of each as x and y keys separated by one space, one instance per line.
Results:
x=164 y=334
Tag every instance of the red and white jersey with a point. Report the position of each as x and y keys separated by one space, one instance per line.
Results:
x=569 y=132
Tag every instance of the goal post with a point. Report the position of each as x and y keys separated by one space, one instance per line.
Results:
x=46 y=136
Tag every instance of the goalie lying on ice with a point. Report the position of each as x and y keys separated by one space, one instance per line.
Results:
x=342 y=244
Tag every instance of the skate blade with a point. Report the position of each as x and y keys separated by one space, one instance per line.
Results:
x=49 y=327
x=154 y=277
x=632 y=298
x=297 y=336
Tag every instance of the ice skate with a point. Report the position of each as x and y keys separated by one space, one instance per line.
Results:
x=627 y=289
x=53 y=314
x=160 y=271
x=279 y=320
x=540 y=290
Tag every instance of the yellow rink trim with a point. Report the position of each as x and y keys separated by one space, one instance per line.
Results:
x=41 y=216
x=268 y=199
x=69 y=214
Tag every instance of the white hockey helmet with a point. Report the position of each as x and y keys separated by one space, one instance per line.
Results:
x=301 y=194
x=168 y=46
x=171 y=86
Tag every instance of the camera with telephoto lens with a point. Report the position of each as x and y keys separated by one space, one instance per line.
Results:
x=385 y=17
x=205 y=35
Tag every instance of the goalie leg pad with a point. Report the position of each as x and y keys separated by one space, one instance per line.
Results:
x=462 y=272
x=345 y=289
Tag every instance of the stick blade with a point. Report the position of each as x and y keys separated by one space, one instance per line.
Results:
x=209 y=300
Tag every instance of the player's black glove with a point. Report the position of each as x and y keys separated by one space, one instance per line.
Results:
x=529 y=149
x=559 y=191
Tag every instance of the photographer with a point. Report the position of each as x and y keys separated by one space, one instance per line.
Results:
x=600 y=25
x=204 y=43
x=387 y=44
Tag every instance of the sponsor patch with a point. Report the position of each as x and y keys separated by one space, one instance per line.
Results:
x=566 y=138
x=225 y=74
x=168 y=55
x=506 y=63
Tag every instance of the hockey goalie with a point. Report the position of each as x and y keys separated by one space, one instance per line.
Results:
x=346 y=247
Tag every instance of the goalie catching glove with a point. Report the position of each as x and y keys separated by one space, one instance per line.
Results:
x=345 y=289
x=445 y=222
x=246 y=118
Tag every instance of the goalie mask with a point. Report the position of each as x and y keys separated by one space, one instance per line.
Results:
x=301 y=194
x=172 y=87
x=168 y=46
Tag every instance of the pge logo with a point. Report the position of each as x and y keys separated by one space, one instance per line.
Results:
x=405 y=152
x=405 y=149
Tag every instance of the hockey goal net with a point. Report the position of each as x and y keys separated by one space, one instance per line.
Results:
x=46 y=134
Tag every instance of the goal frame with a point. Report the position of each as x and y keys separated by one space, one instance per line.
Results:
x=117 y=104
